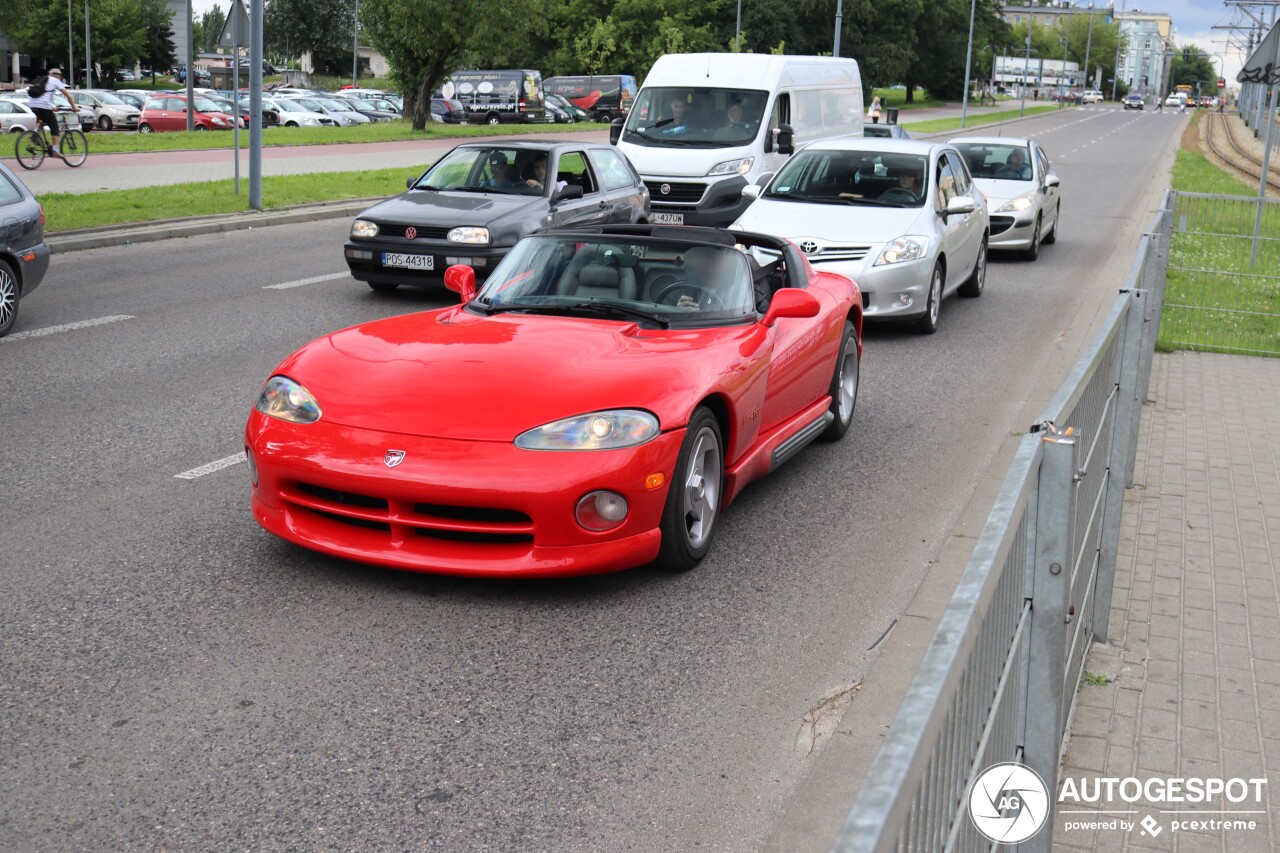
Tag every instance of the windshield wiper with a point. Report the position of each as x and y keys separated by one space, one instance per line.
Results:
x=602 y=309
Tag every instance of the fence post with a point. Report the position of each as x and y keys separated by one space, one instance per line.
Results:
x=1129 y=399
x=1155 y=267
x=1055 y=509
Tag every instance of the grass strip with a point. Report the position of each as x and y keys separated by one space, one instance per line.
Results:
x=942 y=125
x=122 y=142
x=1217 y=299
x=68 y=211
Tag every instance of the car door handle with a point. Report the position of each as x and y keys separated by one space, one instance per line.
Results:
x=603 y=205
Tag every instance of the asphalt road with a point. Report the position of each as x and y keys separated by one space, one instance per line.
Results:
x=172 y=678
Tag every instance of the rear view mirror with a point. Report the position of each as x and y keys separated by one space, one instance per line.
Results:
x=751 y=191
x=960 y=204
x=784 y=139
x=568 y=192
x=461 y=279
x=790 y=302
x=615 y=131
x=409 y=182
x=1051 y=180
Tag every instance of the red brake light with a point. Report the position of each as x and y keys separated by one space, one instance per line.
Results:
x=40 y=207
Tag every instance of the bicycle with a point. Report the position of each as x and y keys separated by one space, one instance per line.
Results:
x=33 y=146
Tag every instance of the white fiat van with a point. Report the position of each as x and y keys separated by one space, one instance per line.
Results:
x=705 y=125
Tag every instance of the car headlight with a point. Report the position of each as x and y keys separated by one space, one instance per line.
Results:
x=596 y=431
x=733 y=167
x=364 y=228
x=285 y=399
x=1013 y=205
x=469 y=234
x=903 y=249
x=310 y=121
x=219 y=122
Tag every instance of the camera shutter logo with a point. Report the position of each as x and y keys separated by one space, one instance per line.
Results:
x=1009 y=803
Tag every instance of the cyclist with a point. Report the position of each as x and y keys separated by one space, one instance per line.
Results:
x=43 y=105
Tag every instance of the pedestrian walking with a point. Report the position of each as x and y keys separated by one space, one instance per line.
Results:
x=873 y=112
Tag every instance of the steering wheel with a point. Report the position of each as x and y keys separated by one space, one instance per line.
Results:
x=899 y=194
x=1009 y=173
x=695 y=291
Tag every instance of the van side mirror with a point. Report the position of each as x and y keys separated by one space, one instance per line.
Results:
x=461 y=279
x=615 y=131
x=784 y=139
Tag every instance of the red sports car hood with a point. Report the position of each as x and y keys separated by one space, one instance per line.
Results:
x=453 y=374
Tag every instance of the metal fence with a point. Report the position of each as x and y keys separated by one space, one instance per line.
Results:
x=998 y=680
x=1223 y=293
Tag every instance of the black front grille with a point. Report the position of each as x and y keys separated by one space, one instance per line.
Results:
x=348 y=498
x=473 y=536
x=676 y=193
x=424 y=232
x=474 y=513
x=1000 y=224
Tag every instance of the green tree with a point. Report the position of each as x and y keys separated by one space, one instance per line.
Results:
x=116 y=31
x=157 y=24
x=211 y=24
x=1191 y=66
x=321 y=27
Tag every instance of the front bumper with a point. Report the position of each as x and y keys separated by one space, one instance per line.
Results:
x=453 y=507
x=1012 y=231
x=889 y=291
x=365 y=259
x=33 y=263
x=698 y=201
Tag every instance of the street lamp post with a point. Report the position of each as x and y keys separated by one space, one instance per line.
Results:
x=1066 y=41
x=1026 y=62
x=737 y=33
x=1115 y=72
x=839 y=20
x=88 y=64
x=71 y=50
x=355 y=45
x=968 y=64
x=1088 y=47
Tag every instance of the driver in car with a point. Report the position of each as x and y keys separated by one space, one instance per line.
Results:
x=715 y=275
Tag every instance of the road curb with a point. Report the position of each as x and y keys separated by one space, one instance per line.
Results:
x=97 y=238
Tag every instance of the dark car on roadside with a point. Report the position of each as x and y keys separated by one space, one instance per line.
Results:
x=24 y=257
x=448 y=110
x=478 y=200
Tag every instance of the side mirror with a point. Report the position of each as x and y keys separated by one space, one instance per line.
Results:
x=784 y=139
x=790 y=302
x=752 y=191
x=615 y=131
x=461 y=279
x=764 y=179
x=1051 y=180
x=409 y=182
x=960 y=204
x=569 y=192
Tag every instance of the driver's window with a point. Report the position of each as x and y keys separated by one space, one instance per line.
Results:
x=573 y=169
x=946 y=183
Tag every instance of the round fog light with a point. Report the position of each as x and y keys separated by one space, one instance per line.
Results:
x=601 y=510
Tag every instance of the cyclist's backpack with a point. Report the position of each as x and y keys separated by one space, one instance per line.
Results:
x=38 y=86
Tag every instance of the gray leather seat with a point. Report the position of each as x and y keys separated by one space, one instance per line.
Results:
x=591 y=274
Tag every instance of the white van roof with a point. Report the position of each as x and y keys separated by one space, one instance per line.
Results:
x=765 y=71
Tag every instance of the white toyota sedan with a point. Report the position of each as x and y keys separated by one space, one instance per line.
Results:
x=900 y=217
x=1021 y=189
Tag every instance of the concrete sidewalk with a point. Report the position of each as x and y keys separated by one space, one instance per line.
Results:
x=1189 y=684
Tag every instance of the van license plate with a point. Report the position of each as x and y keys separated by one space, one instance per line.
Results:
x=668 y=219
x=413 y=262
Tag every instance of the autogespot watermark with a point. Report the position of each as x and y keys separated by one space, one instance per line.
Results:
x=1009 y=803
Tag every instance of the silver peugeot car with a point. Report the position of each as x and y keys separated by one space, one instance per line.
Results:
x=24 y=256
x=1021 y=189
x=900 y=217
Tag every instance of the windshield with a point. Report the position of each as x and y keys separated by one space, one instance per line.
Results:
x=310 y=104
x=998 y=162
x=109 y=98
x=338 y=106
x=292 y=107
x=852 y=177
x=205 y=105
x=496 y=169
x=694 y=117
x=663 y=282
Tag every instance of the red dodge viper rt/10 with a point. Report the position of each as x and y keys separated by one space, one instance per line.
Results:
x=594 y=407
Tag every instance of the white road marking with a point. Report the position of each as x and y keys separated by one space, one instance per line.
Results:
x=217 y=465
x=69 y=327
x=302 y=281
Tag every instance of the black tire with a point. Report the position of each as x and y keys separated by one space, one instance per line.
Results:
x=75 y=148
x=977 y=280
x=1053 y=235
x=844 y=385
x=291 y=124
x=1033 y=251
x=382 y=286
x=104 y=122
x=928 y=322
x=145 y=128
x=29 y=149
x=8 y=298
x=201 y=127
x=606 y=118
x=493 y=118
x=694 y=496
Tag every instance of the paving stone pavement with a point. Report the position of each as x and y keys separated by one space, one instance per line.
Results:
x=1192 y=667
